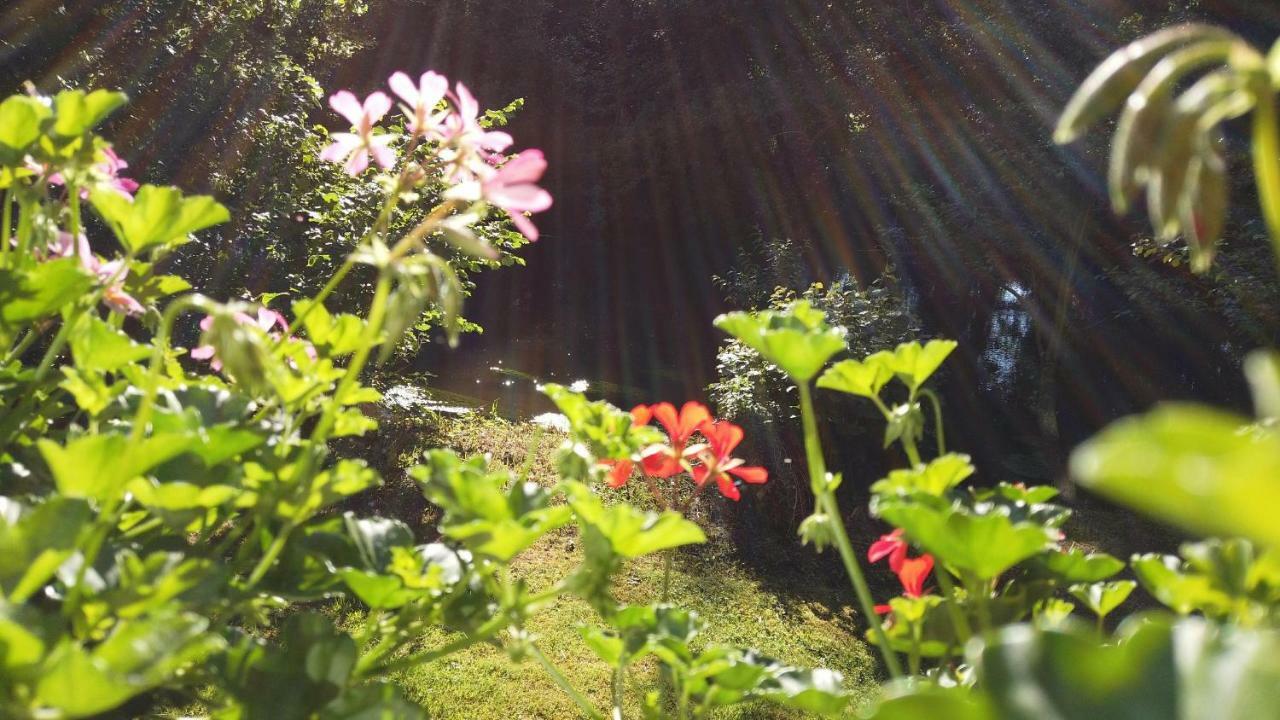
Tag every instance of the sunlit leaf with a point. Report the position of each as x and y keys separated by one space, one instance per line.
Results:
x=796 y=338
x=1199 y=468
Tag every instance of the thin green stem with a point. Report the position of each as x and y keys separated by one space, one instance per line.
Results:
x=667 y=559
x=616 y=691
x=1266 y=161
x=563 y=683
x=961 y=623
x=937 y=420
x=73 y=196
x=6 y=225
x=827 y=501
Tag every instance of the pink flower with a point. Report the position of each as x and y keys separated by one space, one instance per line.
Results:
x=512 y=189
x=354 y=149
x=420 y=102
x=108 y=174
x=112 y=274
x=266 y=320
x=463 y=129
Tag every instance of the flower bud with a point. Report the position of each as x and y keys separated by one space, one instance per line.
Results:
x=817 y=529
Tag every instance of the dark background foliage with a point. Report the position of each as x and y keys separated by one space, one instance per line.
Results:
x=872 y=133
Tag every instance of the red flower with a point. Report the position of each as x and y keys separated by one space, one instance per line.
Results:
x=913 y=573
x=891 y=546
x=722 y=437
x=620 y=469
x=665 y=461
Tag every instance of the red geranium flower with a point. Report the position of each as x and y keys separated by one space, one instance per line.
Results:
x=912 y=573
x=891 y=546
x=663 y=461
x=620 y=469
x=722 y=437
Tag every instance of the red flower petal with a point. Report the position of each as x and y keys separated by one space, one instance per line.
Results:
x=661 y=464
x=753 y=475
x=883 y=609
x=913 y=573
x=727 y=487
x=640 y=415
x=619 y=473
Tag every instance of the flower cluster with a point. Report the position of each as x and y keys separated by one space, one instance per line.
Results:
x=447 y=122
x=266 y=320
x=706 y=461
x=911 y=571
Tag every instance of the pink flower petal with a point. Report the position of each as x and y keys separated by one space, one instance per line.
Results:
x=402 y=85
x=357 y=163
x=524 y=225
x=346 y=105
x=523 y=198
x=375 y=106
x=527 y=167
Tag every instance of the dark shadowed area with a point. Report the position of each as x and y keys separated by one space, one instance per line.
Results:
x=682 y=133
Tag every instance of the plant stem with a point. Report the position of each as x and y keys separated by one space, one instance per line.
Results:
x=619 y=677
x=937 y=420
x=666 y=573
x=961 y=623
x=1266 y=161
x=6 y=225
x=827 y=501
x=563 y=683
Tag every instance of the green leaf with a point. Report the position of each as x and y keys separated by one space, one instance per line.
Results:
x=157 y=216
x=96 y=467
x=34 y=542
x=22 y=640
x=986 y=545
x=306 y=670
x=137 y=656
x=95 y=345
x=333 y=335
x=921 y=701
x=381 y=700
x=914 y=363
x=375 y=537
x=78 y=112
x=41 y=291
x=1157 y=670
x=1262 y=368
x=91 y=393
x=20 y=120
x=859 y=377
x=1183 y=592
x=797 y=338
x=1107 y=87
x=940 y=475
x=632 y=532
x=479 y=513
x=178 y=495
x=1103 y=597
x=1077 y=566
x=1201 y=469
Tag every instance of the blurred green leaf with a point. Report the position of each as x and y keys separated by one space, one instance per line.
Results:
x=21 y=118
x=96 y=467
x=1103 y=597
x=41 y=291
x=1198 y=468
